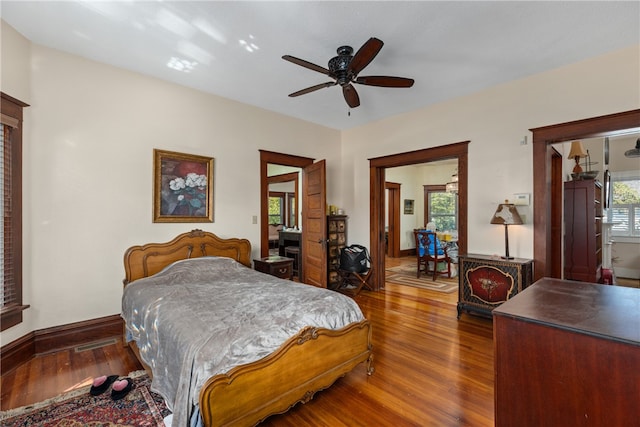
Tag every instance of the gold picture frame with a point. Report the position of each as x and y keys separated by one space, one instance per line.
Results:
x=182 y=187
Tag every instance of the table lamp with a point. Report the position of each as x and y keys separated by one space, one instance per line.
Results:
x=577 y=152
x=506 y=215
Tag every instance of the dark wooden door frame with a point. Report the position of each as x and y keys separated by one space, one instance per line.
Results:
x=377 y=168
x=267 y=157
x=557 y=209
x=393 y=209
x=546 y=261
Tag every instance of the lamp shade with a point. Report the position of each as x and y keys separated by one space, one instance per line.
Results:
x=452 y=186
x=577 y=150
x=506 y=214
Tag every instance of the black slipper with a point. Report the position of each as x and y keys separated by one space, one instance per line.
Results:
x=119 y=394
x=98 y=390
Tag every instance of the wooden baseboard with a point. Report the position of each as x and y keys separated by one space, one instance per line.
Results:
x=58 y=338
x=17 y=352
x=407 y=252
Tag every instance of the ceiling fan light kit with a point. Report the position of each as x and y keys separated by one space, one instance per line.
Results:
x=344 y=69
x=634 y=152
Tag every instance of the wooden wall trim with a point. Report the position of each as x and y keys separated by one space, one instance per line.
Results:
x=58 y=338
x=408 y=252
x=17 y=352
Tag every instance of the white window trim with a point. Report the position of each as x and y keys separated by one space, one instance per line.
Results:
x=617 y=176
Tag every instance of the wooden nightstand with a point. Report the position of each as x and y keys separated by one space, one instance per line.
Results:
x=277 y=266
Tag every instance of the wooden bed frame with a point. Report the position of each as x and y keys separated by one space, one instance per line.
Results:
x=308 y=362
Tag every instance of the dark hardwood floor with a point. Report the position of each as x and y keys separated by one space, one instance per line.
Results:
x=431 y=368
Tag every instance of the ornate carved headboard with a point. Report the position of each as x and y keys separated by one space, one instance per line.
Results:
x=146 y=260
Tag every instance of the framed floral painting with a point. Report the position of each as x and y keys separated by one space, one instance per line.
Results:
x=182 y=187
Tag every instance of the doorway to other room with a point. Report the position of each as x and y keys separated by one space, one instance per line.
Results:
x=457 y=151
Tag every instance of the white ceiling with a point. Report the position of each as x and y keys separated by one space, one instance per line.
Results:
x=234 y=48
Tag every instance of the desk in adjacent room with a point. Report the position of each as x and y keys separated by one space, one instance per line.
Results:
x=288 y=238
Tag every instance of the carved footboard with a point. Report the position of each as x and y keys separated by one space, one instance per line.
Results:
x=306 y=363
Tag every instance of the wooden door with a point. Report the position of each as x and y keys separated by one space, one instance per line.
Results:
x=393 y=217
x=556 y=214
x=314 y=225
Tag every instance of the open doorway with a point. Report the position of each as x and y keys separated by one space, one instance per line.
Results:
x=311 y=240
x=378 y=166
x=271 y=158
x=417 y=195
x=547 y=197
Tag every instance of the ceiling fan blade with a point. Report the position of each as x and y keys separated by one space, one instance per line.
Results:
x=364 y=55
x=384 y=81
x=312 y=88
x=350 y=95
x=306 y=64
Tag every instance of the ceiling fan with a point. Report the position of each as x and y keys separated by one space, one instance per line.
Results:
x=344 y=69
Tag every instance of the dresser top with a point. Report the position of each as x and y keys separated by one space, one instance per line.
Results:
x=495 y=258
x=610 y=312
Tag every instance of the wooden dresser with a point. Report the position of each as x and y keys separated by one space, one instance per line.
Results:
x=567 y=353
x=583 y=231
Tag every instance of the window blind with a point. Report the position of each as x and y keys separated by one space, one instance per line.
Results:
x=8 y=292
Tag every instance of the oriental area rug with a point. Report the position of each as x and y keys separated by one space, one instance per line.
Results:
x=406 y=275
x=140 y=407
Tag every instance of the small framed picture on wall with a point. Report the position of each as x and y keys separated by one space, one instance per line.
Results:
x=408 y=207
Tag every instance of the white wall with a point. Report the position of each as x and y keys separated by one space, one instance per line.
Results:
x=14 y=80
x=91 y=130
x=88 y=159
x=495 y=121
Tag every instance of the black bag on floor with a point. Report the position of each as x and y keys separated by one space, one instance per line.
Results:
x=354 y=258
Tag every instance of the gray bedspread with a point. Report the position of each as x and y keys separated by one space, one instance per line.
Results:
x=204 y=316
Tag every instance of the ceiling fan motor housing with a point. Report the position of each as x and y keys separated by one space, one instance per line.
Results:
x=338 y=65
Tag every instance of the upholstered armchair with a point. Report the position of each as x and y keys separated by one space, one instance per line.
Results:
x=430 y=253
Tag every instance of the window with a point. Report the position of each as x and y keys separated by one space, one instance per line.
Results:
x=292 y=211
x=282 y=209
x=442 y=207
x=276 y=208
x=11 y=306
x=625 y=206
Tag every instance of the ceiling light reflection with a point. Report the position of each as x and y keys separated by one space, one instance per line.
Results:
x=209 y=30
x=111 y=10
x=183 y=65
x=249 y=47
x=194 y=52
x=174 y=23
